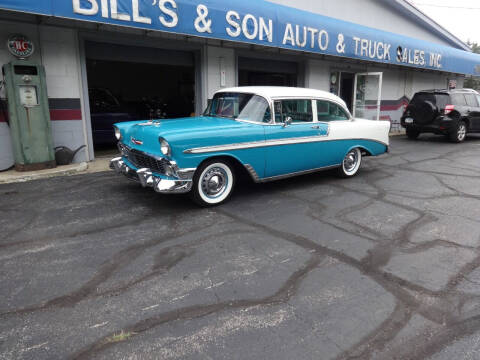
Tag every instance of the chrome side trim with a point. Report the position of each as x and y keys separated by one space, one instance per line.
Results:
x=260 y=144
x=252 y=173
x=286 y=176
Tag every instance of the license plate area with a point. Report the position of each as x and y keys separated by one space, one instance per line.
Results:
x=408 y=120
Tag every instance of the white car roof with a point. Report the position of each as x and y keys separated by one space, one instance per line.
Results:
x=270 y=92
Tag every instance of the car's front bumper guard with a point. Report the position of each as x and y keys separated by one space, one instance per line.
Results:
x=147 y=179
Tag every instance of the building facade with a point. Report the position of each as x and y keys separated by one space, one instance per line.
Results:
x=115 y=60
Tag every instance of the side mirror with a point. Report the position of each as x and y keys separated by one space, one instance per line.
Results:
x=288 y=121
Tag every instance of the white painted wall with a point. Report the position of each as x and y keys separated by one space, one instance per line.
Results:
x=59 y=55
x=65 y=133
x=371 y=13
x=61 y=60
x=211 y=66
x=317 y=75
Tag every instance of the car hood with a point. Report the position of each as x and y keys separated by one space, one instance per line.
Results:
x=189 y=132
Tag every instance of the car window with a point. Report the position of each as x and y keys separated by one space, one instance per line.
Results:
x=299 y=110
x=458 y=99
x=328 y=111
x=102 y=99
x=471 y=100
x=442 y=101
x=228 y=105
x=257 y=109
x=422 y=97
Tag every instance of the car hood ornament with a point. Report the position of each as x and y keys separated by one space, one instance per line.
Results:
x=150 y=123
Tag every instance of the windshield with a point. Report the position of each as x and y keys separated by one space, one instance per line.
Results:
x=239 y=106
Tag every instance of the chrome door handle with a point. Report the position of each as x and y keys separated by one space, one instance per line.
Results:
x=316 y=127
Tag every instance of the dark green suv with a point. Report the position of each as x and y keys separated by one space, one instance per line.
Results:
x=453 y=113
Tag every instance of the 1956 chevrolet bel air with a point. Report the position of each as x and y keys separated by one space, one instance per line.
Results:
x=270 y=132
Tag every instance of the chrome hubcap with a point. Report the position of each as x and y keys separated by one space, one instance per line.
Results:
x=214 y=182
x=350 y=161
x=462 y=132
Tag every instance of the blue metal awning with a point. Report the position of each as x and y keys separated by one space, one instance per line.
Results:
x=262 y=23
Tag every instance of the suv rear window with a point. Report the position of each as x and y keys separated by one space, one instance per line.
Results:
x=471 y=100
x=440 y=100
x=459 y=99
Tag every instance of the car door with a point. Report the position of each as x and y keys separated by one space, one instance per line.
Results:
x=340 y=130
x=293 y=148
x=474 y=111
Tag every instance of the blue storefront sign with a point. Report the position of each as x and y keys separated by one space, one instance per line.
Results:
x=262 y=23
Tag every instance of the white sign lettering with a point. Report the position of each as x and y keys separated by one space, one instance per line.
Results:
x=173 y=21
x=233 y=24
x=372 y=49
x=93 y=10
x=435 y=60
x=257 y=29
x=136 y=14
x=114 y=12
x=251 y=27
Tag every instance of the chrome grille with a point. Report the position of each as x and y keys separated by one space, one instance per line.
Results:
x=141 y=160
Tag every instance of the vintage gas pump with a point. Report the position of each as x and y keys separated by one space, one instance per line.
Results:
x=29 y=116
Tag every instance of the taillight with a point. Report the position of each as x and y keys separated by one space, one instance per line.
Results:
x=449 y=109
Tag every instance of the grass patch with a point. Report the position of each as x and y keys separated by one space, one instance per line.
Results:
x=122 y=336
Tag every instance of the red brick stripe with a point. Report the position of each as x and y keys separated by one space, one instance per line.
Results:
x=58 y=115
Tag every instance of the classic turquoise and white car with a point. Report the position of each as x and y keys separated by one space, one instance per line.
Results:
x=269 y=132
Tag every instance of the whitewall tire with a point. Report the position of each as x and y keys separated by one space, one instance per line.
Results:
x=351 y=163
x=213 y=183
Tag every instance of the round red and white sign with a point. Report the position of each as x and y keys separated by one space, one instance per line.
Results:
x=20 y=46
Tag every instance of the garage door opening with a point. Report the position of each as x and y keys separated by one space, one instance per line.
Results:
x=131 y=83
x=260 y=72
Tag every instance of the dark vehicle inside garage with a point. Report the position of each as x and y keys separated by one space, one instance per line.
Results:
x=145 y=84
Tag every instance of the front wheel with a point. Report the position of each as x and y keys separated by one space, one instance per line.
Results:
x=213 y=183
x=412 y=134
x=351 y=163
x=460 y=133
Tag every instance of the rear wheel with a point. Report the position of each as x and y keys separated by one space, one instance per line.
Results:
x=412 y=134
x=460 y=133
x=351 y=163
x=213 y=183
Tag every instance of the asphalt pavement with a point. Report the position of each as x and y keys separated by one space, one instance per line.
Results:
x=382 y=266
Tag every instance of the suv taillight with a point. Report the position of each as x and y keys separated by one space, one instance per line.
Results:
x=449 y=109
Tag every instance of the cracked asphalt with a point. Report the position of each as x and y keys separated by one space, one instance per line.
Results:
x=382 y=266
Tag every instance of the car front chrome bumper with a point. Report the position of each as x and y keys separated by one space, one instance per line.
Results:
x=160 y=184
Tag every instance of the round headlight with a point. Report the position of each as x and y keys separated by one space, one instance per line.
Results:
x=164 y=147
x=118 y=134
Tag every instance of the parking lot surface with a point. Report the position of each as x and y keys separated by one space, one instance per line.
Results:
x=382 y=266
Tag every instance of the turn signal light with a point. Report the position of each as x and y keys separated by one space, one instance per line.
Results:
x=449 y=109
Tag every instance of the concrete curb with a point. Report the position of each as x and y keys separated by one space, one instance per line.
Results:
x=13 y=176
